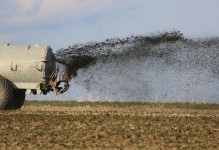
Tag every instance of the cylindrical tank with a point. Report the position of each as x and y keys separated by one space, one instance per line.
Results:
x=26 y=65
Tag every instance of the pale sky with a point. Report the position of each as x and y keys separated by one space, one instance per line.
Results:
x=60 y=23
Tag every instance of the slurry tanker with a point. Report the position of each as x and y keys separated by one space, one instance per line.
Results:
x=29 y=70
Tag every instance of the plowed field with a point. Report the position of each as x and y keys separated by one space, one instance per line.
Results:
x=72 y=125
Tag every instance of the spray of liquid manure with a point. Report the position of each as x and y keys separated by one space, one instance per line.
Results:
x=158 y=67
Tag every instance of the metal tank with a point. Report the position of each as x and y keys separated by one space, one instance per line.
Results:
x=32 y=69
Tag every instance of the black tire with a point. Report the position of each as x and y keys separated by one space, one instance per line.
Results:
x=6 y=94
x=19 y=98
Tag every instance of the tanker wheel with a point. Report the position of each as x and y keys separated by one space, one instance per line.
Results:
x=6 y=94
x=19 y=98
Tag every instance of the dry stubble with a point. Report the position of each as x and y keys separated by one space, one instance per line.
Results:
x=108 y=126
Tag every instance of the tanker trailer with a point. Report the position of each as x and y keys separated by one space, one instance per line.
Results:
x=30 y=70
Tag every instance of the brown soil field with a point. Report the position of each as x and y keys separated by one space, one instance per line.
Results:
x=87 y=125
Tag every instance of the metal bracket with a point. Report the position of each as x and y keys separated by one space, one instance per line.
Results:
x=39 y=67
x=13 y=68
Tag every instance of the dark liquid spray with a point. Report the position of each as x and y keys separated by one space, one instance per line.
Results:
x=158 y=67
